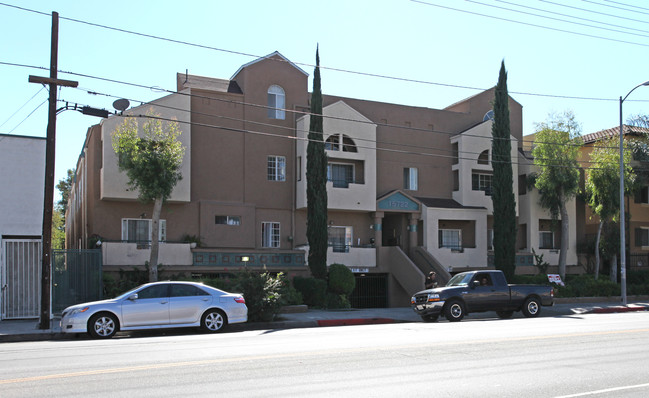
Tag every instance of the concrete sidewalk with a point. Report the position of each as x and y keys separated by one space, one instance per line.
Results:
x=301 y=317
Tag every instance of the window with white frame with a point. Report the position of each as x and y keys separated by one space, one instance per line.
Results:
x=410 y=178
x=546 y=240
x=450 y=238
x=276 y=102
x=481 y=181
x=269 y=234
x=139 y=230
x=276 y=167
x=227 y=220
x=340 y=238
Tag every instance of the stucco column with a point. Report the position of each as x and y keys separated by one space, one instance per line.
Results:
x=413 y=218
x=378 y=229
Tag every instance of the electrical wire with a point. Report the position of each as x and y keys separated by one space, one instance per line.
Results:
x=367 y=74
x=21 y=108
x=27 y=117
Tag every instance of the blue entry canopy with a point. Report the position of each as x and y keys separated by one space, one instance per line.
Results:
x=397 y=201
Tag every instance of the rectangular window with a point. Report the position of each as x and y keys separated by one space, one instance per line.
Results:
x=269 y=234
x=227 y=220
x=546 y=240
x=481 y=181
x=410 y=177
x=450 y=238
x=490 y=239
x=641 y=237
x=340 y=174
x=642 y=195
x=139 y=230
x=340 y=239
x=522 y=184
x=299 y=168
x=276 y=168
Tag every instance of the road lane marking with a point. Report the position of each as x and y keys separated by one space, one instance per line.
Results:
x=295 y=354
x=604 y=391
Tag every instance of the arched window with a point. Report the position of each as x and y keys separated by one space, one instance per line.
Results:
x=348 y=144
x=332 y=143
x=488 y=116
x=484 y=157
x=276 y=102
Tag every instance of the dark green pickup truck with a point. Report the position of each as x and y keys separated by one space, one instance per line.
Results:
x=480 y=291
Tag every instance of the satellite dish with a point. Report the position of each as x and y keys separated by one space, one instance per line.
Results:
x=121 y=104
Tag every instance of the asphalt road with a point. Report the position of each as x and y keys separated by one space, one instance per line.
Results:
x=595 y=355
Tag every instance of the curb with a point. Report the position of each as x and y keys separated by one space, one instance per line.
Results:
x=611 y=310
x=356 y=321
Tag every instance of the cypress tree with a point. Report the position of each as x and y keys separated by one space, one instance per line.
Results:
x=316 y=183
x=502 y=196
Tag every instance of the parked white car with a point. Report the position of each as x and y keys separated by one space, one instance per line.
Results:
x=157 y=305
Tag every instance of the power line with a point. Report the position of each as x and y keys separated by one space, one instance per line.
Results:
x=530 y=24
x=616 y=7
x=628 y=5
x=594 y=12
x=367 y=74
x=21 y=108
x=575 y=17
x=27 y=117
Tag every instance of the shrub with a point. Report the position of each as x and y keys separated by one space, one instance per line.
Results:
x=337 y=301
x=262 y=294
x=290 y=295
x=314 y=291
x=587 y=286
x=341 y=280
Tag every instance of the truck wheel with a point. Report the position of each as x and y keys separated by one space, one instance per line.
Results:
x=531 y=307
x=504 y=314
x=454 y=311
x=429 y=318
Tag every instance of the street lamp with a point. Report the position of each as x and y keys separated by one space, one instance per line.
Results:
x=622 y=229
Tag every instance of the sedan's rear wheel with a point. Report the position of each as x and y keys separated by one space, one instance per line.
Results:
x=213 y=321
x=102 y=326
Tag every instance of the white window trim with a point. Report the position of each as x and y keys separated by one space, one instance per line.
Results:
x=162 y=227
x=540 y=241
x=412 y=184
x=280 y=172
x=275 y=238
x=279 y=102
x=459 y=232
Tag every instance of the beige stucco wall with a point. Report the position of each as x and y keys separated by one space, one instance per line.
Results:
x=455 y=261
x=471 y=144
x=530 y=214
x=114 y=184
x=343 y=120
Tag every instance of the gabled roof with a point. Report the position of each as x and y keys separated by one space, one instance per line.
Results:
x=276 y=53
x=614 y=132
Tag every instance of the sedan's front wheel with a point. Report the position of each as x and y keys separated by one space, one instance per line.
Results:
x=102 y=326
x=213 y=321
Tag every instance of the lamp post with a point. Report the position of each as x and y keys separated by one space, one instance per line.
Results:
x=622 y=228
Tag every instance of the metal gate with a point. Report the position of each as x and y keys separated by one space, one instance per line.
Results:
x=77 y=278
x=371 y=291
x=20 y=278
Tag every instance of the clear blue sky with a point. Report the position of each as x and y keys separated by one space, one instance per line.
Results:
x=448 y=43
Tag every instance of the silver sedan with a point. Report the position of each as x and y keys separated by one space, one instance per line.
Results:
x=157 y=305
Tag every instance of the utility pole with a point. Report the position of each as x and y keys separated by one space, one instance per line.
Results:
x=48 y=203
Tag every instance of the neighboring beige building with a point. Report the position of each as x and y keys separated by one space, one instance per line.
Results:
x=408 y=186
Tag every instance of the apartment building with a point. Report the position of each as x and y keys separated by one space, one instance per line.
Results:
x=408 y=190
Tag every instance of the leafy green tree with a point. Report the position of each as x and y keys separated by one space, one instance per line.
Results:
x=64 y=186
x=152 y=163
x=58 y=229
x=502 y=194
x=603 y=186
x=316 y=183
x=555 y=152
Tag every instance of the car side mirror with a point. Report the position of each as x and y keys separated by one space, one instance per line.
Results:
x=132 y=297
